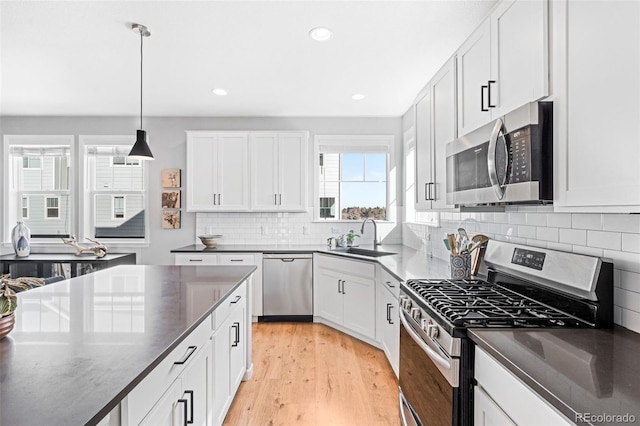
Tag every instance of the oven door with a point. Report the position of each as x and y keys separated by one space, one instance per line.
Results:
x=428 y=378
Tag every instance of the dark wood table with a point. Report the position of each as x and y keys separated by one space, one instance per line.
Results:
x=44 y=260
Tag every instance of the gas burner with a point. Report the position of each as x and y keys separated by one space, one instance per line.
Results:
x=478 y=303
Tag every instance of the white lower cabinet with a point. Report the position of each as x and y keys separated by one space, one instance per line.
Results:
x=197 y=381
x=344 y=294
x=387 y=317
x=229 y=355
x=500 y=398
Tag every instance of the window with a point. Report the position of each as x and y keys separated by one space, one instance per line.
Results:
x=118 y=207
x=114 y=202
x=25 y=208
x=38 y=176
x=53 y=208
x=352 y=177
x=122 y=160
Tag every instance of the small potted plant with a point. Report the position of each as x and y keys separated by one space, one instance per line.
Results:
x=351 y=236
x=8 y=304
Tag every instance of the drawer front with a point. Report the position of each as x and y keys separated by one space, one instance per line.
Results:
x=390 y=282
x=236 y=259
x=144 y=396
x=352 y=267
x=195 y=259
x=228 y=305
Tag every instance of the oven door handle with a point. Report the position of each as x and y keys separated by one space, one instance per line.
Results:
x=497 y=186
x=439 y=360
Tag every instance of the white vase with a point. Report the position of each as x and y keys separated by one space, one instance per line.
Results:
x=21 y=239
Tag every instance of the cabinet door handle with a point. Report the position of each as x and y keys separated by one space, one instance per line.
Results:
x=388 y=283
x=184 y=401
x=433 y=191
x=389 y=307
x=343 y=290
x=339 y=291
x=190 y=393
x=236 y=339
x=489 y=104
x=214 y=199
x=280 y=199
x=482 y=90
x=430 y=187
x=275 y=199
x=190 y=351
x=236 y=300
x=426 y=191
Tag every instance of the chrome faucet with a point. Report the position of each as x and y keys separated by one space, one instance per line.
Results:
x=375 y=231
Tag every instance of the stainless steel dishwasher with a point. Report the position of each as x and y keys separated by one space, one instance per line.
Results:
x=287 y=287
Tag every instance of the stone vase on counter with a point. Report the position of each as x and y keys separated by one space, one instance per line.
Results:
x=21 y=239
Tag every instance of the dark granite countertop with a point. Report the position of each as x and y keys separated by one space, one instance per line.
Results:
x=81 y=345
x=405 y=264
x=578 y=371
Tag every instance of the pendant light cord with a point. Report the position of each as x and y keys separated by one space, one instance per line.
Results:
x=141 y=38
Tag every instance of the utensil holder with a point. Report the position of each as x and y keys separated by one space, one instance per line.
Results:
x=460 y=265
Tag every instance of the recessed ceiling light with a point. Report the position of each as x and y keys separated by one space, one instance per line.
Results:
x=320 y=33
x=357 y=97
x=219 y=92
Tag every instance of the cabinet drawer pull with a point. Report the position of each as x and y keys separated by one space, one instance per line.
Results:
x=190 y=393
x=195 y=260
x=184 y=401
x=236 y=300
x=190 y=351
x=388 y=283
x=236 y=260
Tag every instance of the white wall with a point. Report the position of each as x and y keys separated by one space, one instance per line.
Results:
x=167 y=140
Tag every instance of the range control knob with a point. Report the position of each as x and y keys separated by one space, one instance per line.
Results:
x=430 y=328
x=416 y=314
x=405 y=302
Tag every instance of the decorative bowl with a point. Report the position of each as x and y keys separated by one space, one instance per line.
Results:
x=6 y=324
x=209 y=240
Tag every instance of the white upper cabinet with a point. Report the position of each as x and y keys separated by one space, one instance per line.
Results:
x=503 y=64
x=435 y=128
x=596 y=75
x=474 y=74
x=279 y=171
x=423 y=151
x=217 y=175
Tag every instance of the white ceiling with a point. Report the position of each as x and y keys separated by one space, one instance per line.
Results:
x=81 y=58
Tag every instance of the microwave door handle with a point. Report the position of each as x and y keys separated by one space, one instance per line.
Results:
x=435 y=357
x=491 y=160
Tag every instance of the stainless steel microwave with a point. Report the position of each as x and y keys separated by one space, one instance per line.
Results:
x=509 y=161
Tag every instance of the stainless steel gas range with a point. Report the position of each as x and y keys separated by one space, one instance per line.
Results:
x=525 y=287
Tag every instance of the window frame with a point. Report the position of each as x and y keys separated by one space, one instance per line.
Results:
x=22 y=207
x=13 y=212
x=364 y=144
x=87 y=212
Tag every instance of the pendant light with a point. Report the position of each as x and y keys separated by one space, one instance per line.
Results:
x=141 y=149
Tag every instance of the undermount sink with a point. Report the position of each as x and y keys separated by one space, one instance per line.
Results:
x=367 y=252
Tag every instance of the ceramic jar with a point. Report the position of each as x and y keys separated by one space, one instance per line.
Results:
x=21 y=239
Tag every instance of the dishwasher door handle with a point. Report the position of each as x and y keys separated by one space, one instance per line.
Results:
x=290 y=259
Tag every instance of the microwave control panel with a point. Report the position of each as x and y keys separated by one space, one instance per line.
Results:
x=520 y=153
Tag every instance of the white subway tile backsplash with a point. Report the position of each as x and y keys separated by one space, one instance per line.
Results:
x=527 y=231
x=631 y=242
x=622 y=223
x=517 y=218
x=630 y=319
x=547 y=234
x=624 y=261
x=559 y=220
x=573 y=236
x=559 y=246
x=499 y=218
x=536 y=219
x=605 y=240
x=586 y=221
x=589 y=251
x=629 y=280
x=626 y=299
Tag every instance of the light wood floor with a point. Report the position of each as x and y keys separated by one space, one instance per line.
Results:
x=310 y=374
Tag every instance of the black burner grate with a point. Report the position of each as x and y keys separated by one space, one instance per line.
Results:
x=468 y=303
